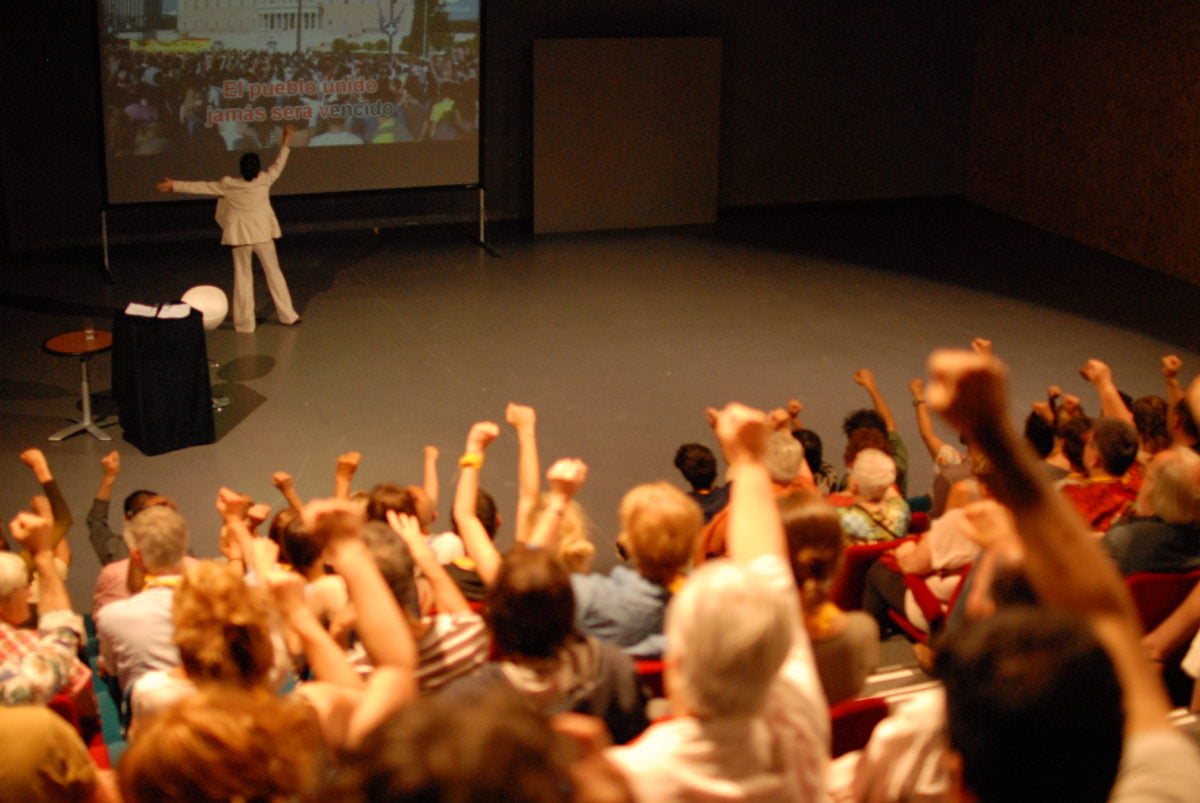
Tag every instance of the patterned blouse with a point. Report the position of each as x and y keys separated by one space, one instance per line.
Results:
x=34 y=667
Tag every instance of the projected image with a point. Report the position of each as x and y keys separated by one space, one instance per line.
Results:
x=187 y=82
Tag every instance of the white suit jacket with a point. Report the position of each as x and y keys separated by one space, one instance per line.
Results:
x=244 y=210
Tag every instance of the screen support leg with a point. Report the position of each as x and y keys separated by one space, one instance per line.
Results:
x=482 y=240
x=104 y=244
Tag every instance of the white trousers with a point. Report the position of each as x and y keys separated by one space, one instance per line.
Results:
x=243 y=285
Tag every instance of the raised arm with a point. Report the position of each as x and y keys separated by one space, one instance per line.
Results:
x=381 y=625
x=565 y=478
x=347 y=464
x=429 y=477
x=1170 y=371
x=1111 y=403
x=475 y=538
x=286 y=485
x=109 y=546
x=446 y=594
x=754 y=525
x=524 y=420
x=326 y=659
x=36 y=460
x=866 y=379
x=1064 y=563
x=933 y=443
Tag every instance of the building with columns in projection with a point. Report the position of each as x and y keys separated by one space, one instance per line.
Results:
x=257 y=23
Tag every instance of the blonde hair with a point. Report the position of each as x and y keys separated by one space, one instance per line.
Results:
x=575 y=548
x=659 y=528
x=222 y=626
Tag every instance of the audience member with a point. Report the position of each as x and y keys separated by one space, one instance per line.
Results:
x=1164 y=533
x=698 y=465
x=877 y=512
x=1109 y=451
x=879 y=419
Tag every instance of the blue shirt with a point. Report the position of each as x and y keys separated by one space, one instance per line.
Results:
x=622 y=608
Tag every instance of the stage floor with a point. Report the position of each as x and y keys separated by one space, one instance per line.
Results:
x=620 y=339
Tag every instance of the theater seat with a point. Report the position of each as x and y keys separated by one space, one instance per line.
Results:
x=1156 y=594
x=846 y=591
x=853 y=721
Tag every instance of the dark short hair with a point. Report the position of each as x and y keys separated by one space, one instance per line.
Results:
x=395 y=563
x=389 y=496
x=697 y=464
x=814 y=451
x=865 y=438
x=531 y=608
x=1073 y=432
x=249 y=166
x=297 y=546
x=1040 y=434
x=1117 y=443
x=865 y=417
x=137 y=501
x=487 y=513
x=1033 y=707
x=1150 y=418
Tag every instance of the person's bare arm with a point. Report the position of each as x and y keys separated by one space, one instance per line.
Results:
x=754 y=525
x=794 y=408
x=475 y=538
x=565 y=477
x=326 y=659
x=1170 y=371
x=1111 y=403
x=287 y=486
x=234 y=508
x=35 y=532
x=111 y=464
x=36 y=460
x=523 y=419
x=381 y=625
x=933 y=443
x=446 y=593
x=1193 y=398
x=347 y=464
x=108 y=545
x=866 y=379
x=915 y=557
x=1177 y=628
x=429 y=477
x=1064 y=563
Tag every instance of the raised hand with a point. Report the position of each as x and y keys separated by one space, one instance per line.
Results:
x=566 y=476
x=1171 y=365
x=778 y=420
x=742 y=432
x=519 y=416
x=481 y=436
x=232 y=505
x=917 y=388
x=333 y=519
x=348 y=463
x=33 y=532
x=111 y=463
x=36 y=460
x=1095 y=371
x=982 y=346
x=865 y=378
x=795 y=407
x=968 y=389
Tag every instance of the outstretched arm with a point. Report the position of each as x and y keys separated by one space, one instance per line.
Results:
x=1111 y=403
x=109 y=546
x=866 y=379
x=524 y=420
x=565 y=478
x=475 y=538
x=286 y=485
x=446 y=593
x=754 y=525
x=1064 y=563
x=347 y=464
x=429 y=477
x=933 y=443
x=36 y=460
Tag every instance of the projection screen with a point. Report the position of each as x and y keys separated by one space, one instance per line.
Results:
x=384 y=94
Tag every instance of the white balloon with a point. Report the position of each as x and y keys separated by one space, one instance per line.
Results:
x=211 y=302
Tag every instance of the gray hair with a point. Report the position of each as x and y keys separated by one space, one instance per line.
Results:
x=731 y=633
x=873 y=473
x=396 y=564
x=1174 y=482
x=161 y=536
x=13 y=574
x=783 y=458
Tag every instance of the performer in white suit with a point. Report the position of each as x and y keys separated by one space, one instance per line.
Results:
x=248 y=224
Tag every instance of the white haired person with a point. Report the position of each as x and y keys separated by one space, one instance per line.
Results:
x=878 y=512
x=35 y=666
x=751 y=721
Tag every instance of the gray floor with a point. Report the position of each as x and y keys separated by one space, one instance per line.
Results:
x=619 y=339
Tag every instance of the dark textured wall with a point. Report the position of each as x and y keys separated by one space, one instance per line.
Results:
x=820 y=101
x=1085 y=122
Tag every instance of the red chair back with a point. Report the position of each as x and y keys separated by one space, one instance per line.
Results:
x=846 y=591
x=1156 y=595
x=853 y=721
x=650 y=677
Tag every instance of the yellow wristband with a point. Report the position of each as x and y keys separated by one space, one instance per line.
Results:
x=471 y=460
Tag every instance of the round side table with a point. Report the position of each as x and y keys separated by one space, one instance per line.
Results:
x=83 y=345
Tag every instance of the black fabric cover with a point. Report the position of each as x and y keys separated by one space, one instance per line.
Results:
x=160 y=382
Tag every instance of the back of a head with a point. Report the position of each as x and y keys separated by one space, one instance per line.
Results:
x=865 y=438
x=297 y=546
x=1150 y=418
x=1033 y=707
x=139 y=500
x=873 y=473
x=395 y=563
x=864 y=418
x=575 y=547
x=1074 y=432
x=1117 y=443
x=1174 y=485
x=729 y=634
x=222 y=626
x=13 y=573
x=1040 y=434
x=531 y=608
x=495 y=749
x=224 y=743
x=389 y=496
x=783 y=458
x=659 y=528
x=814 y=451
x=697 y=464
x=161 y=536
x=487 y=513
x=814 y=543
x=249 y=166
